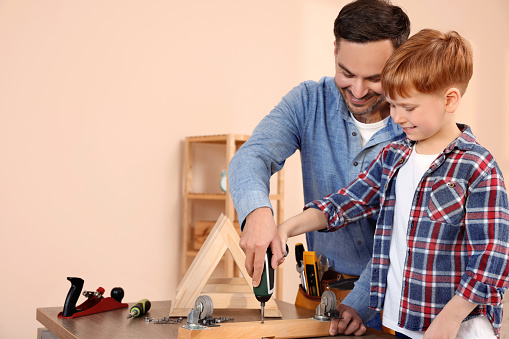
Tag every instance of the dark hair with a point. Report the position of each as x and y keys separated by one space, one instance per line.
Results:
x=372 y=20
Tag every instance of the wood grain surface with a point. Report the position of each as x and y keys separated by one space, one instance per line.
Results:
x=114 y=324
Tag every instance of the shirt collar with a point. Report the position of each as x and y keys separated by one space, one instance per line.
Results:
x=464 y=142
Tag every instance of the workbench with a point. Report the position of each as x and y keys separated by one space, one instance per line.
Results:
x=113 y=324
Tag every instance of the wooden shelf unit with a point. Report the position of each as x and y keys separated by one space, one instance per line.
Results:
x=232 y=143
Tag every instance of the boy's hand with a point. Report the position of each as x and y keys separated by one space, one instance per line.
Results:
x=442 y=328
x=350 y=324
x=259 y=233
x=282 y=234
x=448 y=321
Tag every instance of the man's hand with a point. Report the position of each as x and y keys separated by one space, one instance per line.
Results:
x=350 y=324
x=260 y=232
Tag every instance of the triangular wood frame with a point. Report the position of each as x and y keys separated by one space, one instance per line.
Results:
x=226 y=293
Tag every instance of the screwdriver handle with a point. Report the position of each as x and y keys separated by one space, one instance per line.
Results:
x=264 y=290
x=299 y=253
x=140 y=308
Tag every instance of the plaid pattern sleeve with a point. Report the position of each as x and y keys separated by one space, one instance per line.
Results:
x=487 y=228
x=357 y=201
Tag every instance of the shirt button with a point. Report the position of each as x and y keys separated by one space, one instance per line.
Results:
x=355 y=163
x=354 y=134
x=359 y=242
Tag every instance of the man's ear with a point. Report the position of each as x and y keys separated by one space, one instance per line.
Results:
x=335 y=48
x=452 y=98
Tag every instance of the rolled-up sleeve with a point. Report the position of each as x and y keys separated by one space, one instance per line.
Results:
x=275 y=139
x=487 y=227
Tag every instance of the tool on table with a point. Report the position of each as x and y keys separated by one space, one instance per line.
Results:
x=311 y=270
x=322 y=268
x=140 y=308
x=165 y=320
x=95 y=303
x=326 y=310
x=201 y=315
x=264 y=290
x=299 y=252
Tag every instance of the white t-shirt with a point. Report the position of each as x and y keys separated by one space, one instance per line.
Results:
x=368 y=130
x=409 y=176
x=408 y=179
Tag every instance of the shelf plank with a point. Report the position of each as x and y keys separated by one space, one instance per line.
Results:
x=206 y=196
x=218 y=139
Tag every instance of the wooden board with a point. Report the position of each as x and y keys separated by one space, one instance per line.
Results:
x=222 y=237
x=114 y=325
x=292 y=328
x=202 y=230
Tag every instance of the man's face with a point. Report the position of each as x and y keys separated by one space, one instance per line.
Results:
x=358 y=69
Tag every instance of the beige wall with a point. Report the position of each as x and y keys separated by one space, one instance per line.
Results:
x=96 y=98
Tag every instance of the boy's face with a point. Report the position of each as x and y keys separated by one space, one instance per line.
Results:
x=424 y=117
x=358 y=68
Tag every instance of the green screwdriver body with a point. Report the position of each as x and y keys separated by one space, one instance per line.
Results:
x=140 y=308
x=264 y=290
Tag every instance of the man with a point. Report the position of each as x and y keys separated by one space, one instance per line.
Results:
x=339 y=125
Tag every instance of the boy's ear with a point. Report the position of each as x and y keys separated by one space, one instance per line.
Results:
x=452 y=98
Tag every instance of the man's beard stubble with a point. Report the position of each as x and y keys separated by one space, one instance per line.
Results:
x=352 y=108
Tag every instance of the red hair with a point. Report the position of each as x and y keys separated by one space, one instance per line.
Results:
x=428 y=62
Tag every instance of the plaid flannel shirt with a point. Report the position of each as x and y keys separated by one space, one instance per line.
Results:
x=457 y=236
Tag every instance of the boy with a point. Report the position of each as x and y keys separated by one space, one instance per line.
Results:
x=441 y=243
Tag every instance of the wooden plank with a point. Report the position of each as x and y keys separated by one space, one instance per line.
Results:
x=231 y=239
x=220 y=138
x=198 y=274
x=206 y=196
x=292 y=328
x=222 y=237
x=226 y=281
x=222 y=288
x=202 y=230
x=186 y=231
x=228 y=204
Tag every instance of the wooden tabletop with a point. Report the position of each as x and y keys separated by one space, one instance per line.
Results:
x=114 y=324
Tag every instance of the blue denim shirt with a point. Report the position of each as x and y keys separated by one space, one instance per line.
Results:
x=312 y=118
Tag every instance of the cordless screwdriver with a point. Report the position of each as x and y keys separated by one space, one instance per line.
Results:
x=140 y=308
x=264 y=290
